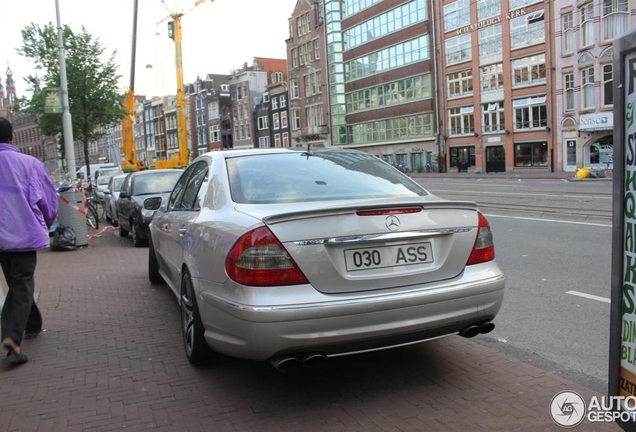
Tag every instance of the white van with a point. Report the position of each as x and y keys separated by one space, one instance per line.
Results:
x=81 y=173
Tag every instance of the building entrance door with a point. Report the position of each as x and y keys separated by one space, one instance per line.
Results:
x=495 y=159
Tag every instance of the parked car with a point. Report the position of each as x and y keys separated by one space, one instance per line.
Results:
x=101 y=186
x=295 y=256
x=140 y=196
x=111 y=194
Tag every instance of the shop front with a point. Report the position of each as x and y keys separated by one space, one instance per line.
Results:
x=596 y=130
x=531 y=154
x=462 y=157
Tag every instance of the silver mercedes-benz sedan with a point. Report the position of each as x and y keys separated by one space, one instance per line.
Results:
x=295 y=256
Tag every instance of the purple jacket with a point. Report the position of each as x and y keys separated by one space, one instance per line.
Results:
x=28 y=201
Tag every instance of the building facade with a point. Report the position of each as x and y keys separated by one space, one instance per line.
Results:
x=495 y=84
x=307 y=85
x=381 y=78
x=584 y=33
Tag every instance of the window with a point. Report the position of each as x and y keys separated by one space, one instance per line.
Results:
x=389 y=22
x=314 y=115
x=458 y=49
x=493 y=118
x=263 y=142
x=488 y=8
x=393 y=129
x=456 y=14
x=277 y=77
x=302 y=22
x=490 y=41
x=295 y=119
x=214 y=133
x=529 y=70
x=276 y=120
x=316 y=49
x=492 y=77
x=568 y=92
x=461 y=120
x=615 y=15
x=274 y=103
x=460 y=83
x=517 y=4
x=527 y=30
x=587 y=25
x=293 y=89
x=587 y=88
x=263 y=123
x=405 y=53
x=265 y=97
x=277 y=140
x=283 y=101
x=392 y=93
x=567 y=30
x=294 y=57
x=313 y=83
x=285 y=139
x=283 y=119
x=531 y=154
x=530 y=112
x=607 y=92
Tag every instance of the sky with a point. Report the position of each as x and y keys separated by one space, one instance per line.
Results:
x=218 y=36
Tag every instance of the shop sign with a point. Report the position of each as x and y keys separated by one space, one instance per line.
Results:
x=491 y=21
x=596 y=122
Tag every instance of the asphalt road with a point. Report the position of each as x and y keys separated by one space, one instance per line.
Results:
x=553 y=241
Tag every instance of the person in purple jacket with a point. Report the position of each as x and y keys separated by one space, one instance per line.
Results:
x=28 y=207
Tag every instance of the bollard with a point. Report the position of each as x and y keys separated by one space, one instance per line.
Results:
x=72 y=213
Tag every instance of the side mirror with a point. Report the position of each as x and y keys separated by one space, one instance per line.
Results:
x=123 y=194
x=106 y=191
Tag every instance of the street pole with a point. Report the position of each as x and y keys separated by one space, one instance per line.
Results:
x=67 y=124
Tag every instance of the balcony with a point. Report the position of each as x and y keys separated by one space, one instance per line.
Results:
x=311 y=133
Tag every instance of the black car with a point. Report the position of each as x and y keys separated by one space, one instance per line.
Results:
x=140 y=196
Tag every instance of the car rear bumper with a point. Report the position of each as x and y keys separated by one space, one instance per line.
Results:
x=342 y=324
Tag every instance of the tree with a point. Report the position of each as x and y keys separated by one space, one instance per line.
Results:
x=94 y=98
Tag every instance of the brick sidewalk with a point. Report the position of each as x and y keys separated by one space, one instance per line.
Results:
x=111 y=359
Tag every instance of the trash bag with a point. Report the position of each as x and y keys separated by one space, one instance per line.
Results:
x=63 y=239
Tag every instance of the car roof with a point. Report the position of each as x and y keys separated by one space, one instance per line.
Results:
x=256 y=151
x=149 y=172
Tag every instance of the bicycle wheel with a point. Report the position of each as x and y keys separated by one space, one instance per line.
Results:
x=99 y=209
x=91 y=217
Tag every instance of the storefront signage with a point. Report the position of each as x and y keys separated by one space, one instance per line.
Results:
x=596 y=122
x=622 y=361
x=491 y=21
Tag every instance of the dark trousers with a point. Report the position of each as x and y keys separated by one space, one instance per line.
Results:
x=19 y=311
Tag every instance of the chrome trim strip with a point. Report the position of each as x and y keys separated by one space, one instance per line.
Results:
x=371 y=298
x=383 y=237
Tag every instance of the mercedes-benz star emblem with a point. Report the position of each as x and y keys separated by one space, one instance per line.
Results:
x=392 y=223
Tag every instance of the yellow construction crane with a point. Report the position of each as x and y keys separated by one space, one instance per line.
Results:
x=130 y=162
x=182 y=158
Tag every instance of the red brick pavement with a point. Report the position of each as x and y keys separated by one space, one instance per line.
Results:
x=111 y=359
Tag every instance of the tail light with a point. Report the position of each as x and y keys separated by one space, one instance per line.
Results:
x=259 y=259
x=484 y=248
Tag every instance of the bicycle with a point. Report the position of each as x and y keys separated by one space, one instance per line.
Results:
x=98 y=206
x=92 y=220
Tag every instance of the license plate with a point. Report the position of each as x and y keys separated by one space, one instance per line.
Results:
x=388 y=256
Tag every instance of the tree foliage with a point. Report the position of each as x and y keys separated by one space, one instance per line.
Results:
x=93 y=94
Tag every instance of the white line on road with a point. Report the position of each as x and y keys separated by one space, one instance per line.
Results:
x=525 y=194
x=550 y=220
x=589 y=296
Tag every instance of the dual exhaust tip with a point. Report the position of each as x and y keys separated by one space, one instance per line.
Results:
x=312 y=360
x=475 y=329
x=293 y=362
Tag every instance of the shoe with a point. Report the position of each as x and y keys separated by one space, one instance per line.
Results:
x=13 y=358
x=32 y=334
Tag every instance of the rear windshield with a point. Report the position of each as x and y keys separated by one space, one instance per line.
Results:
x=320 y=175
x=118 y=182
x=157 y=182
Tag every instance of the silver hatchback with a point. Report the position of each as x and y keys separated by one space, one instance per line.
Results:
x=296 y=256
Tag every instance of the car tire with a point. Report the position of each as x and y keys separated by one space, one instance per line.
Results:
x=153 y=266
x=192 y=331
x=137 y=241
